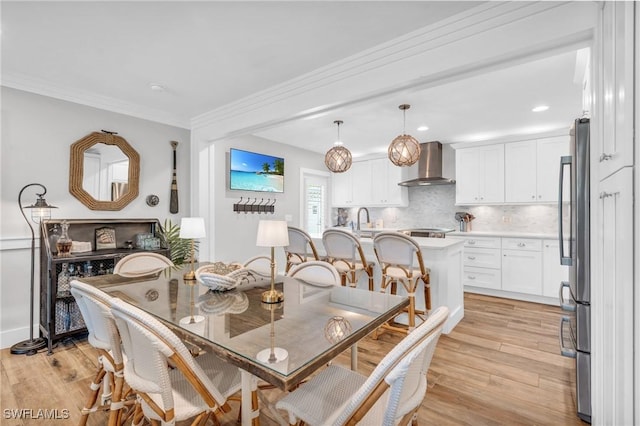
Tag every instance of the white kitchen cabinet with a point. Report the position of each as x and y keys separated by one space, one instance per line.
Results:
x=520 y=172
x=614 y=148
x=481 y=263
x=612 y=294
x=553 y=273
x=361 y=181
x=342 y=189
x=480 y=175
x=372 y=183
x=532 y=168
x=522 y=266
x=385 y=190
x=548 y=153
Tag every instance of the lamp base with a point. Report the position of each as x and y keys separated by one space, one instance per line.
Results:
x=272 y=356
x=29 y=347
x=272 y=296
x=189 y=276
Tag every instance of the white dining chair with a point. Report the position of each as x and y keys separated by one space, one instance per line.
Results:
x=195 y=388
x=300 y=249
x=344 y=251
x=316 y=272
x=400 y=260
x=390 y=395
x=108 y=384
x=137 y=264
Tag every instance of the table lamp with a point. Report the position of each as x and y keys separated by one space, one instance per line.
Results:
x=192 y=228
x=272 y=233
x=40 y=211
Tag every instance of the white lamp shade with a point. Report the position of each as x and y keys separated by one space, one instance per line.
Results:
x=192 y=227
x=272 y=233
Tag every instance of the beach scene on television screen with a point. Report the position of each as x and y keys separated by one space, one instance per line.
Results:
x=251 y=171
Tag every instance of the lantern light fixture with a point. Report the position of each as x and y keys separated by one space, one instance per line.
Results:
x=338 y=159
x=404 y=150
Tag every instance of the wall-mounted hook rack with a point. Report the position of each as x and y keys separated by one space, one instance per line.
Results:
x=254 y=206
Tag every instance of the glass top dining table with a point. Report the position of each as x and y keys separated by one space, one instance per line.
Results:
x=313 y=324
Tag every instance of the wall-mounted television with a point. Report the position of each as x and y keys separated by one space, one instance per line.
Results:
x=250 y=171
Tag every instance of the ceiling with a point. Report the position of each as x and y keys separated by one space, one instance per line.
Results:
x=206 y=54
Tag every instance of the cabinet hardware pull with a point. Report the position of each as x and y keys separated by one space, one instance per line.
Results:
x=471 y=257
x=471 y=277
x=521 y=244
x=533 y=197
x=605 y=157
x=471 y=241
x=607 y=194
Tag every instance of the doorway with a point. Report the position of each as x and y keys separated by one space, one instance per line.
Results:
x=314 y=214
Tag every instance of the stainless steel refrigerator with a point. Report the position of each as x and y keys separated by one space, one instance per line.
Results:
x=575 y=327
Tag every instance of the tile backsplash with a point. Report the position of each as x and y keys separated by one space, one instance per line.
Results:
x=434 y=206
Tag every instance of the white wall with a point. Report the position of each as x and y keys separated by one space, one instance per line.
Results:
x=235 y=233
x=37 y=132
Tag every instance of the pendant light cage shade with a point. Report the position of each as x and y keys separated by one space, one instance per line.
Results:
x=338 y=159
x=404 y=150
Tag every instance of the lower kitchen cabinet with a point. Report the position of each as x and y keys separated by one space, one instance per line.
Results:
x=522 y=266
x=518 y=268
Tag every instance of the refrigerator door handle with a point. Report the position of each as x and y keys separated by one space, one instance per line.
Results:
x=565 y=305
x=564 y=351
x=565 y=160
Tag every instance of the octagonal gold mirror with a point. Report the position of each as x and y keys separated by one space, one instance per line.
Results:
x=104 y=171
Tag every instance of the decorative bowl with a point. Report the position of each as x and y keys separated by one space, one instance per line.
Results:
x=220 y=276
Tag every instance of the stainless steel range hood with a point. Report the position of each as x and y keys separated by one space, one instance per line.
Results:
x=429 y=167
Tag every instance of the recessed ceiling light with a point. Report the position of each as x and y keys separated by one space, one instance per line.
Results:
x=157 y=88
x=540 y=108
x=423 y=128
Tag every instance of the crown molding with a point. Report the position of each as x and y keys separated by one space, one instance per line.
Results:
x=480 y=19
x=47 y=88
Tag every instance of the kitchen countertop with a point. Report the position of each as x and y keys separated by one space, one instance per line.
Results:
x=505 y=234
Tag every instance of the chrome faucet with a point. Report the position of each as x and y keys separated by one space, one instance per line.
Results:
x=367 y=212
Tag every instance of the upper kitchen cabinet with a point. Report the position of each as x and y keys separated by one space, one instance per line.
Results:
x=385 y=177
x=372 y=183
x=532 y=168
x=480 y=175
x=614 y=148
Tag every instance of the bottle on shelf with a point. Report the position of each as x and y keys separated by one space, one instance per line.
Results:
x=88 y=269
x=53 y=238
x=64 y=278
x=64 y=242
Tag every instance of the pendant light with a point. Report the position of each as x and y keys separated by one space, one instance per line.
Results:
x=404 y=150
x=338 y=158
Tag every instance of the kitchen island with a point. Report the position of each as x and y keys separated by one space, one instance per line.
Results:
x=443 y=257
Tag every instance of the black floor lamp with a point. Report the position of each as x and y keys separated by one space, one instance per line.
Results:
x=40 y=210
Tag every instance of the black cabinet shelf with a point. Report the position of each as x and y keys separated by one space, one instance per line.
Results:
x=59 y=313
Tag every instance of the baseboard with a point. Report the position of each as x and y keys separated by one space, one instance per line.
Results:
x=9 y=338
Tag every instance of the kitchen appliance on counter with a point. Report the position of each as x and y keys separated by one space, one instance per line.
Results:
x=464 y=219
x=427 y=232
x=578 y=320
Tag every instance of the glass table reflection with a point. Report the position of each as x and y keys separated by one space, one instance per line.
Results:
x=312 y=326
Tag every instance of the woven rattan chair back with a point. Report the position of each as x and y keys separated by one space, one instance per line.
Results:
x=344 y=251
x=137 y=264
x=390 y=395
x=401 y=261
x=103 y=335
x=300 y=249
x=316 y=272
x=168 y=395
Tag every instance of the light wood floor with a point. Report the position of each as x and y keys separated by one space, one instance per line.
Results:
x=500 y=365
